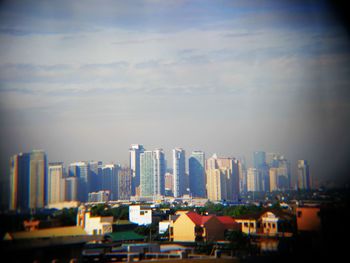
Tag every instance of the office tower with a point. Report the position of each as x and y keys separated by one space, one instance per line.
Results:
x=124 y=183
x=37 y=179
x=110 y=180
x=169 y=184
x=259 y=159
x=304 y=179
x=19 y=181
x=56 y=189
x=159 y=172
x=283 y=170
x=28 y=180
x=273 y=174
x=94 y=176
x=134 y=158
x=179 y=170
x=253 y=182
x=80 y=171
x=196 y=167
x=242 y=175
x=71 y=191
x=152 y=173
x=226 y=172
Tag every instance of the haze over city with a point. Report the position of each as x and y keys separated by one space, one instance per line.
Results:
x=83 y=80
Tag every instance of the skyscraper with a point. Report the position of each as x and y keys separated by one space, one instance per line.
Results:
x=56 y=183
x=19 y=181
x=179 y=170
x=124 y=184
x=253 y=180
x=146 y=174
x=134 y=159
x=273 y=174
x=159 y=172
x=110 y=180
x=304 y=179
x=28 y=180
x=80 y=171
x=196 y=167
x=94 y=176
x=71 y=191
x=226 y=173
x=152 y=173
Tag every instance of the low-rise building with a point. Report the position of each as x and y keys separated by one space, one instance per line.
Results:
x=141 y=215
x=308 y=218
x=94 y=225
x=193 y=227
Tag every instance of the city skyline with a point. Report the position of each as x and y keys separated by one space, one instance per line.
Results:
x=85 y=80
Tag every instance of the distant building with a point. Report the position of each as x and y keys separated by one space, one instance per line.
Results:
x=134 y=164
x=253 y=182
x=169 y=184
x=56 y=183
x=124 y=184
x=110 y=180
x=99 y=197
x=304 y=179
x=152 y=173
x=273 y=174
x=141 y=215
x=179 y=171
x=71 y=191
x=222 y=178
x=196 y=166
x=94 y=176
x=79 y=170
x=28 y=180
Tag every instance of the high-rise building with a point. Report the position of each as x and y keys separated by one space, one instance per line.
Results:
x=196 y=167
x=110 y=180
x=152 y=173
x=71 y=191
x=80 y=171
x=38 y=179
x=259 y=159
x=169 y=184
x=19 y=181
x=228 y=178
x=134 y=158
x=253 y=180
x=56 y=183
x=179 y=170
x=283 y=170
x=242 y=175
x=304 y=179
x=159 y=172
x=124 y=183
x=216 y=189
x=28 y=180
x=273 y=174
x=94 y=176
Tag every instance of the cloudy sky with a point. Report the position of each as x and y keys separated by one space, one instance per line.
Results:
x=85 y=79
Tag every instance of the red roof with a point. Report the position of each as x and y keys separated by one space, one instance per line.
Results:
x=228 y=222
x=198 y=219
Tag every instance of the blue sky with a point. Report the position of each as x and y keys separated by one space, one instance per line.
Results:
x=85 y=79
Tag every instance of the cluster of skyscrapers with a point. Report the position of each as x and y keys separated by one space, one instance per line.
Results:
x=35 y=183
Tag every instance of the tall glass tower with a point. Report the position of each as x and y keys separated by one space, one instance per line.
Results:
x=196 y=167
x=134 y=164
x=179 y=170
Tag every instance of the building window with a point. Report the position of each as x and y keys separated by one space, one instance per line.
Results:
x=251 y=224
x=142 y=213
x=245 y=224
x=273 y=226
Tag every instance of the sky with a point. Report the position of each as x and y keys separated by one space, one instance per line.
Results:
x=84 y=80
